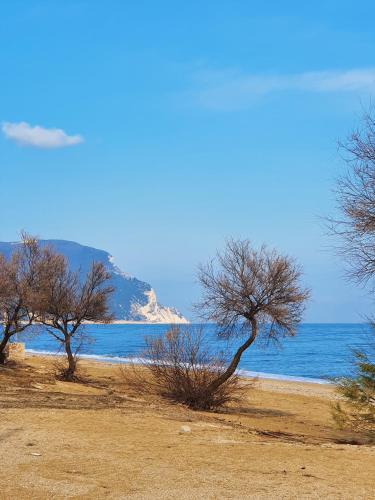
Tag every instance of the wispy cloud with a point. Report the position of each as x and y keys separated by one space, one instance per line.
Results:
x=39 y=137
x=229 y=90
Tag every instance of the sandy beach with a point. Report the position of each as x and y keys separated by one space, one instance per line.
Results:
x=100 y=440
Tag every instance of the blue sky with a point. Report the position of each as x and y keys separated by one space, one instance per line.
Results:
x=181 y=124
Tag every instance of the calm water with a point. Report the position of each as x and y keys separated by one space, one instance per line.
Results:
x=319 y=351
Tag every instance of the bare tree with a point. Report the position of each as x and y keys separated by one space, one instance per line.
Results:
x=18 y=285
x=251 y=292
x=66 y=303
x=355 y=194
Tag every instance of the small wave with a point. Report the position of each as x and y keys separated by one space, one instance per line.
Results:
x=137 y=360
x=97 y=357
x=277 y=376
x=44 y=353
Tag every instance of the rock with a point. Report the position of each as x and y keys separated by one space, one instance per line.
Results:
x=36 y=386
x=15 y=350
x=185 y=429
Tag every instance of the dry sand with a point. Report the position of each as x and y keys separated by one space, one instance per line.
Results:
x=100 y=440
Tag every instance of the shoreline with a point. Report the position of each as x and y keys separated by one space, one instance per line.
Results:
x=129 y=322
x=117 y=360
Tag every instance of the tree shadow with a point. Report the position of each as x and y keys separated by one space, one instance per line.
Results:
x=57 y=400
x=254 y=412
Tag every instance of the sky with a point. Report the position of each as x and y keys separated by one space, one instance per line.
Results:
x=156 y=130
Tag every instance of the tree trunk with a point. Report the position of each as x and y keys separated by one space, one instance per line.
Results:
x=3 y=344
x=71 y=361
x=236 y=358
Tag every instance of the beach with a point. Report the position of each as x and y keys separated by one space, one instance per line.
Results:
x=100 y=439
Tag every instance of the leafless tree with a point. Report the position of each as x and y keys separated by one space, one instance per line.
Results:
x=355 y=194
x=251 y=292
x=18 y=285
x=66 y=302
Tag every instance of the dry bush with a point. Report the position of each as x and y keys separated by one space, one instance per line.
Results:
x=180 y=366
x=62 y=371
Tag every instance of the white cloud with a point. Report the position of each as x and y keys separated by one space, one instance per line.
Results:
x=39 y=137
x=227 y=90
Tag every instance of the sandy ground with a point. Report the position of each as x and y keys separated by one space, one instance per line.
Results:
x=99 y=440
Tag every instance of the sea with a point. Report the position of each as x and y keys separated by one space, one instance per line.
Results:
x=318 y=353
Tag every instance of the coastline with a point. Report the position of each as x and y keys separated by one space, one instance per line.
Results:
x=127 y=322
x=116 y=360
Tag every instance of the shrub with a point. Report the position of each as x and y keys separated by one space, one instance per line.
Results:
x=358 y=411
x=180 y=366
x=63 y=371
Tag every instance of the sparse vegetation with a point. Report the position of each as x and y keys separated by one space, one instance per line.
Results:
x=355 y=228
x=358 y=410
x=181 y=367
x=38 y=288
x=253 y=292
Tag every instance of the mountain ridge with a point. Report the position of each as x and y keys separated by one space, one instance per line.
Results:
x=132 y=300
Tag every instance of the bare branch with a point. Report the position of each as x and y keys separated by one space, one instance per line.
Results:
x=66 y=301
x=251 y=291
x=355 y=195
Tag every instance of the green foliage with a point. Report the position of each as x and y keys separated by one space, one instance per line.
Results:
x=358 y=410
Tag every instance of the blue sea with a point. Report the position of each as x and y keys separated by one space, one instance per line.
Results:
x=318 y=353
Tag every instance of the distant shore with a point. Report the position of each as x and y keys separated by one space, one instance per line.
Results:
x=126 y=322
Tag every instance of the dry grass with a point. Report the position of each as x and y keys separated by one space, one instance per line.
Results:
x=101 y=439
